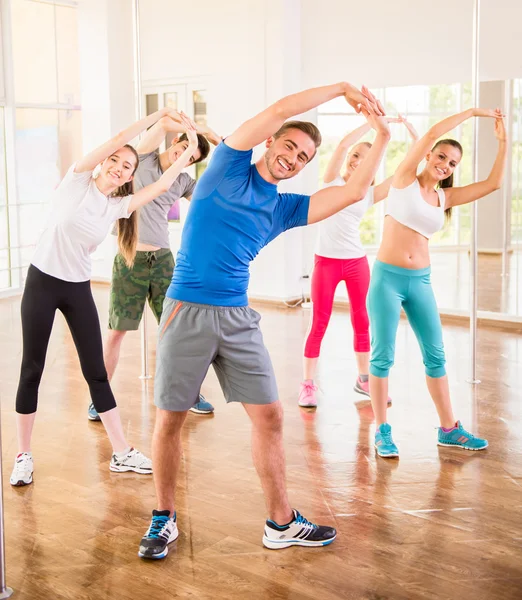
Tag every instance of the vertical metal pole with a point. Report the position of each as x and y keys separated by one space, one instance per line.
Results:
x=6 y=67
x=138 y=102
x=474 y=209
x=5 y=592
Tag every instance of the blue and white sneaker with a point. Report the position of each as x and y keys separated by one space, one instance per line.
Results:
x=384 y=443
x=461 y=438
x=202 y=407
x=162 y=531
x=92 y=414
x=299 y=532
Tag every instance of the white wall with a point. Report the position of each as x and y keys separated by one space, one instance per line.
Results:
x=386 y=43
x=399 y=42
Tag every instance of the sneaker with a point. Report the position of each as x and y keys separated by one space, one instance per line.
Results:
x=383 y=442
x=162 y=531
x=202 y=407
x=134 y=460
x=461 y=438
x=363 y=387
x=298 y=532
x=23 y=470
x=92 y=414
x=307 y=397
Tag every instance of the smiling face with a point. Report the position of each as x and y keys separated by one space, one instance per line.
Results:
x=178 y=147
x=442 y=161
x=119 y=168
x=288 y=154
x=357 y=154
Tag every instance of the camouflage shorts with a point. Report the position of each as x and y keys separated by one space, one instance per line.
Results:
x=148 y=279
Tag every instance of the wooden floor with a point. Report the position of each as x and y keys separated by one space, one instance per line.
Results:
x=437 y=524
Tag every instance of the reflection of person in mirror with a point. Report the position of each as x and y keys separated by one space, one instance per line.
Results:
x=149 y=277
x=84 y=208
x=418 y=206
x=340 y=256
x=206 y=319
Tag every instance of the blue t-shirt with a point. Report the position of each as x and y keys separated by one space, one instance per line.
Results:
x=234 y=213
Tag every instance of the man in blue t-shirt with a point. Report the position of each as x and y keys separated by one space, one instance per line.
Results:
x=235 y=211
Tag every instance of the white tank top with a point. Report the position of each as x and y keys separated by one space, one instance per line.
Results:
x=339 y=234
x=408 y=207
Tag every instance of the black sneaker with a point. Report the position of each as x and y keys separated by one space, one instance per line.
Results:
x=162 y=531
x=298 y=532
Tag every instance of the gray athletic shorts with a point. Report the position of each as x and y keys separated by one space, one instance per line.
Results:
x=194 y=336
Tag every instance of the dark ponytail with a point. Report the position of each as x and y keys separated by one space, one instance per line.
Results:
x=448 y=182
x=128 y=228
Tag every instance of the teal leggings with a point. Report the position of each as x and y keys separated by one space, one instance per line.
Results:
x=391 y=288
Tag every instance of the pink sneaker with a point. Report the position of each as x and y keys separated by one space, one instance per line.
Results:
x=363 y=387
x=307 y=395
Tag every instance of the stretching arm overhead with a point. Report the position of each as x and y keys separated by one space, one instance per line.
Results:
x=463 y=195
x=163 y=184
x=266 y=123
x=407 y=170
x=380 y=192
x=328 y=201
x=171 y=123
x=94 y=158
x=335 y=164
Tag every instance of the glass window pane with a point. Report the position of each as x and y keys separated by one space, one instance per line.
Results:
x=4 y=269
x=47 y=143
x=4 y=232
x=68 y=60
x=200 y=107
x=151 y=102
x=443 y=98
x=397 y=100
x=369 y=228
x=171 y=100
x=3 y=182
x=35 y=74
x=37 y=154
x=70 y=138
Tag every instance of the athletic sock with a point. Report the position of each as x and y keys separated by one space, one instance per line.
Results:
x=123 y=454
x=447 y=430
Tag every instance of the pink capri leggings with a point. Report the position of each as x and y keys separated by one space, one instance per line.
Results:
x=328 y=272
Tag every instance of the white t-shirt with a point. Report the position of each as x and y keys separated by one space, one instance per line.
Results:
x=339 y=234
x=81 y=217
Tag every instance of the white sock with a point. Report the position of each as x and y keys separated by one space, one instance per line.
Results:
x=122 y=454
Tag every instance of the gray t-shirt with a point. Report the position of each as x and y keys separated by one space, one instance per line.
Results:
x=153 y=226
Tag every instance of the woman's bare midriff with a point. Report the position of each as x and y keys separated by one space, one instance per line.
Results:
x=403 y=247
x=146 y=247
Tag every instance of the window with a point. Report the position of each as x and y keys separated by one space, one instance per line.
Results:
x=424 y=106
x=47 y=124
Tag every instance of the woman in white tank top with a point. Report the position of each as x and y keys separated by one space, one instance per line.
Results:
x=417 y=206
x=340 y=256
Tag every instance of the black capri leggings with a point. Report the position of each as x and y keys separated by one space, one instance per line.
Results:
x=44 y=294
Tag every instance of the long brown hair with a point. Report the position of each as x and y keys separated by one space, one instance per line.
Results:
x=128 y=228
x=448 y=182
